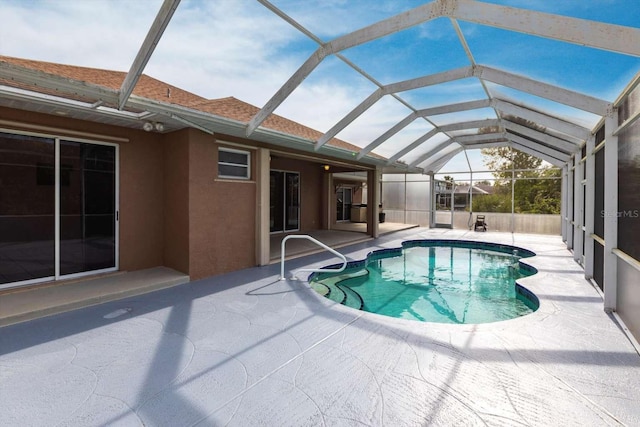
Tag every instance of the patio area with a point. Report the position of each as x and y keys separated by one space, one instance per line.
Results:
x=247 y=349
x=342 y=234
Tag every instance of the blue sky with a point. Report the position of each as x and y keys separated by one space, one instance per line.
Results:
x=219 y=48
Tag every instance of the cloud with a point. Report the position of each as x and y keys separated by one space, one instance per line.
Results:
x=239 y=48
x=95 y=34
x=322 y=104
x=229 y=48
x=329 y=19
x=214 y=49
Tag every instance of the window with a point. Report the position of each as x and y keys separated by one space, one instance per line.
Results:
x=234 y=164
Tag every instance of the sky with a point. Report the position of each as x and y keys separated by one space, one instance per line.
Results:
x=221 y=48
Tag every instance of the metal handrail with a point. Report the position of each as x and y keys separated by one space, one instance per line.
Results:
x=310 y=270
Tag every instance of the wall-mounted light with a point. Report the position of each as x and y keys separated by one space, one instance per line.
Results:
x=149 y=126
x=326 y=167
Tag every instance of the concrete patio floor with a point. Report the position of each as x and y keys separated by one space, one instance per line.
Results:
x=342 y=234
x=246 y=349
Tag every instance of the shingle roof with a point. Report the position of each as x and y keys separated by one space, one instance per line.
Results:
x=150 y=88
x=236 y=109
x=147 y=87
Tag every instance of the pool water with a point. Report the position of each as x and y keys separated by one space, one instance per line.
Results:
x=460 y=282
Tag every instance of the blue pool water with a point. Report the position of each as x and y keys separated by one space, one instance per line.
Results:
x=435 y=281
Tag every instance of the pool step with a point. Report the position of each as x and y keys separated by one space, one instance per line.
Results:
x=337 y=288
x=352 y=298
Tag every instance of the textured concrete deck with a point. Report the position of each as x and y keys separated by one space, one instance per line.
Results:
x=245 y=349
x=342 y=234
x=21 y=304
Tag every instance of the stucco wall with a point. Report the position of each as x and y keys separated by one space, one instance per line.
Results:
x=174 y=211
x=141 y=203
x=221 y=213
x=176 y=201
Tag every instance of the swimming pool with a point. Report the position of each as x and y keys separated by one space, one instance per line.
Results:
x=444 y=281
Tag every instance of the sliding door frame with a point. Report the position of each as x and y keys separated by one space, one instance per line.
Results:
x=57 y=141
x=284 y=201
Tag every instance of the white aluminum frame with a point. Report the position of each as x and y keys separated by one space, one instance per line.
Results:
x=284 y=202
x=236 y=151
x=57 y=276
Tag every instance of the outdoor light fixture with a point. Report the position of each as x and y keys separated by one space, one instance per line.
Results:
x=326 y=167
x=149 y=126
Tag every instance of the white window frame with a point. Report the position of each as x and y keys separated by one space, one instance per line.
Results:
x=247 y=166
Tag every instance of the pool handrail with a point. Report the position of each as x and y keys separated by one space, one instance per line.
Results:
x=310 y=270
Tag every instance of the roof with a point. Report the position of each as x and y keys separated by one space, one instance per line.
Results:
x=154 y=89
x=242 y=111
x=147 y=87
x=414 y=82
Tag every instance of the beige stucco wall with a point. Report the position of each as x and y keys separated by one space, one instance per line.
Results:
x=141 y=183
x=176 y=200
x=221 y=213
x=174 y=211
x=141 y=203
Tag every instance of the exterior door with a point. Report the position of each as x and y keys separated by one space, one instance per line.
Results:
x=87 y=207
x=284 y=201
x=344 y=201
x=58 y=208
x=443 y=201
x=27 y=208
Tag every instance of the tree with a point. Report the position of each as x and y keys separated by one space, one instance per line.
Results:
x=448 y=179
x=537 y=187
x=492 y=203
x=502 y=159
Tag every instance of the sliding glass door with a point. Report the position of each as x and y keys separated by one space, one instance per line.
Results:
x=58 y=207
x=27 y=208
x=87 y=207
x=284 y=206
x=344 y=201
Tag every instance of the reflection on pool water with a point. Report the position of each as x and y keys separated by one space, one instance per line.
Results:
x=435 y=281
